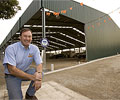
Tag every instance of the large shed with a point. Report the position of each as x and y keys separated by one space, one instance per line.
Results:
x=77 y=25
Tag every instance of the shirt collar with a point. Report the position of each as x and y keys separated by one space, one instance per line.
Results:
x=21 y=45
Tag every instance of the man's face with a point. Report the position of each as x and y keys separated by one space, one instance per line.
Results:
x=26 y=38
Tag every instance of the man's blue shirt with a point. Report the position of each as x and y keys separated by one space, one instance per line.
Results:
x=17 y=55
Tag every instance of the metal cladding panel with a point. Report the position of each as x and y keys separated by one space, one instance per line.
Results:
x=60 y=5
x=9 y=36
x=102 y=40
x=31 y=10
x=3 y=43
x=80 y=13
x=15 y=28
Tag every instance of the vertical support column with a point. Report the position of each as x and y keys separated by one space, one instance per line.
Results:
x=44 y=36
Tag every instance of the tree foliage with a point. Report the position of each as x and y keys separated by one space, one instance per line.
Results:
x=8 y=8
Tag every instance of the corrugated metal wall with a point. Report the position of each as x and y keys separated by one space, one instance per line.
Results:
x=31 y=10
x=102 y=40
x=83 y=14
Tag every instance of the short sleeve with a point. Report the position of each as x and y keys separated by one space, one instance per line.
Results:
x=37 y=57
x=9 y=57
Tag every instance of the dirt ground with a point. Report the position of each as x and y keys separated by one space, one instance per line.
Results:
x=98 y=80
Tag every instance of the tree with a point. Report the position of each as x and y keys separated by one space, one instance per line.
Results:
x=8 y=8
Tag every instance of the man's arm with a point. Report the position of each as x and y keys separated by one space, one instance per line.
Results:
x=39 y=68
x=19 y=73
x=38 y=75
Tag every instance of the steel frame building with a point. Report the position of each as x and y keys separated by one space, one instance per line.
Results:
x=76 y=27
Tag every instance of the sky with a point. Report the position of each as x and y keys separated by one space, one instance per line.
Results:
x=111 y=7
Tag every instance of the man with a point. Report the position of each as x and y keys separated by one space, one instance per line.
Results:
x=17 y=60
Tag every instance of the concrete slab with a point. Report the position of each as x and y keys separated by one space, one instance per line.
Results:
x=50 y=91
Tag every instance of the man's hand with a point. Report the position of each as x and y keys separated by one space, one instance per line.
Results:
x=38 y=81
x=38 y=75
